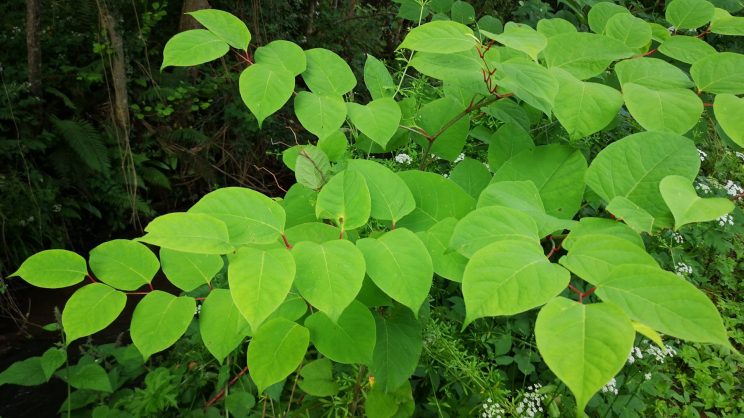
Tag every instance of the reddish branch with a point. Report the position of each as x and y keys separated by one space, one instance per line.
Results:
x=221 y=393
x=581 y=294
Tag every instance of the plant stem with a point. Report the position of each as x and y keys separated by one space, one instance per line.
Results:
x=408 y=61
x=357 y=390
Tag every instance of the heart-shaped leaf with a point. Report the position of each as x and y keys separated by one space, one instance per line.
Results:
x=686 y=206
x=378 y=119
x=729 y=110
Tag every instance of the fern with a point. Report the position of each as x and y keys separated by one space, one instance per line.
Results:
x=86 y=142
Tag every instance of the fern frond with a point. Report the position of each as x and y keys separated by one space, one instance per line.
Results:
x=86 y=142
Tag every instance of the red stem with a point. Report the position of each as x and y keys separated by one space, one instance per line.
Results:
x=286 y=243
x=221 y=393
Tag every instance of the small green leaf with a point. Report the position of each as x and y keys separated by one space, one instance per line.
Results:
x=632 y=31
x=221 y=325
x=602 y=226
x=299 y=205
x=188 y=232
x=649 y=333
x=462 y=12
x=90 y=309
x=671 y=110
x=53 y=269
x=378 y=119
x=265 y=89
x=87 y=375
x=489 y=224
x=397 y=349
x=193 y=47
x=334 y=145
x=432 y=118
x=446 y=263
x=601 y=12
x=282 y=54
x=436 y=198
x=687 y=49
x=521 y=37
x=728 y=110
x=555 y=26
x=317 y=378
x=529 y=81
x=320 y=114
x=689 y=14
x=584 y=55
x=391 y=198
x=441 y=37
x=123 y=264
x=51 y=360
x=349 y=340
x=509 y=140
x=377 y=78
x=593 y=256
x=225 y=25
x=471 y=175
x=719 y=73
x=327 y=73
x=725 y=24
x=686 y=206
x=159 y=320
x=633 y=215
x=652 y=73
x=346 y=200
x=187 y=271
x=275 y=351
x=313 y=167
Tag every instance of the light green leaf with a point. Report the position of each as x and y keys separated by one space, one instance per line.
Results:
x=725 y=24
x=508 y=111
x=378 y=119
x=602 y=226
x=88 y=375
x=275 y=351
x=260 y=281
x=90 y=309
x=440 y=37
x=670 y=110
x=391 y=197
x=649 y=333
x=189 y=232
x=632 y=31
x=686 y=206
x=397 y=349
x=348 y=340
x=584 y=345
x=665 y=302
x=687 y=49
x=283 y=55
x=221 y=325
x=633 y=215
x=584 y=55
x=471 y=175
x=193 y=47
x=317 y=378
x=395 y=403
x=689 y=14
x=334 y=145
x=462 y=12
x=346 y=200
x=53 y=269
x=489 y=224
x=601 y=12
x=490 y=23
x=399 y=264
x=187 y=271
x=321 y=115
x=265 y=89
x=123 y=264
x=432 y=118
x=659 y=33
x=225 y=25
x=377 y=78
x=312 y=168
x=316 y=232
x=436 y=198
x=509 y=277
x=555 y=26
x=593 y=256
x=520 y=37
x=719 y=73
x=509 y=140
x=51 y=360
x=528 y=81
x=652 y=73
x=159 y=320
x=327 y=73
x=728 y=110
x=299 y=205
x=446 y=263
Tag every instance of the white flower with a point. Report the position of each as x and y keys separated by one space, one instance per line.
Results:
x=403 y=159
x=740 y=155
x=611 y=387
x=703 y=154
x=659 y=354
x=678 y=238
x=460 y=157
x=198 y=309
x=733 y=189
x=532 y=401
x=647 y=376
x=445 y=175
x=702 y=187
x=635 y=353
x=671 y=29
x=491 y=409
x=726 y=220
x=682 y=269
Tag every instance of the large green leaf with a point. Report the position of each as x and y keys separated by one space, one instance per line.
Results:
x=327 y=73
x=652 y=73
x=671 y=110
x=53 y=269
x=225 y=25
x=509 y=140
x=584 y=345
x=686 y=206
x=489 y=224
x=719 y=73
x=728 y=110
x=377 y=78
x=462 y=68
x=251 y=217
x=187 y=271
x=397 y=348
x=283 y=55
x=378 y=119
x=90 y=309
x=556 y=170
x=433 y=117
x=602 y=226
x=329 y=275
x=221 y=325
x=123 y=264
x=299 y=205
x=159 y=320
x=528 y=81
x=87 y=375
x=725 y=24
x=665 y=302
x=521 y=37
x=436 y=198
x=399 y=264
x=26 y=372
x=584 y=108
x=632 y=31
x=348 y=340
x=260 y=281
x=322 y=115
x=346 y=200
x=312 y=168
x=508 y=277
x=391 y=197
x=584 y=55
x=275 y=351
x=633 y=167
x=471 y=175
x=440 y=37
x=446 y=263
x=316 y=232
x=265 y=89
x=601 y=13
x=687 y=49
x=636 y=217
x=189 y=232
x=555 y=26
x=317 y=378
x=689 y=14
x=193 y=47
x=593 y=256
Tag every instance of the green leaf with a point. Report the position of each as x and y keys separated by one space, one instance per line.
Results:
x=633 y=215
x=593 y=256
x=377 y=78
x=632 y=31
x=312 y=168
x=556 y=170
x=489 y=224
x=283 y=55
x=584 y=108
x=461 y=68
x=520 y=37
x=90 y=309
x=436 y=198
x=378 y=119
x=659 y=33
x=51 y=360
x=123 y=264
x=665 y=302
x=462 y=12
x=320 y=114
x=275 y=351
x=446 y=263
x=649 y=333
x=508 y=111
x=397 y=349
x=584 y=345
x=555 y=26
x=719 y=73
x=602 y=226
x=584 y=55
x=687 y=49
x=329 y=275
x=225 y=25
x=316 y=232
x=670 y=110
x=399 y=264
x=433 y=117
x=193 y=47
x=89 y=376
x=725 y=24
x=491 y=24
x=159 y=320
x=509 y=140
x=327 y=73
x=53 y=269
x=265 y=89
x=471 y=175
x=601 y=12
x=508 y=277
x=187 y=271
x=346 y=200
x=221 y=325
x=348 y=340
x=689 y=14
x=299 y=205
x=441 y=37
x=293 y=308
x=652 y=73
x=189 y=232
x=238 y=402
x=529 y=81
x=260 y=281
x=732 y=6
x=317 y=378
x=686 y=206
x=28 y=372
x=395 y=403
x=390 y=196
x=728 y=110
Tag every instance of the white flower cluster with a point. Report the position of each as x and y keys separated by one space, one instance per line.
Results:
x=492 y=409
x=198 y=309
x=403 y=159
x=703 y=154
x=682 y=269
x=488 y=167
x=647 y=376
x=726 y=220
x=733 y=189
x=532 y=401
x=740 y=155
x=635 y=353
x=701 y=186
x=611 y=387
x=678 y=238
x=460 y=157
x=660 y=354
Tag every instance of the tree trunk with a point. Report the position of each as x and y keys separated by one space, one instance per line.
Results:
x=187 y=22
x=33 y=45
x=118 y=70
